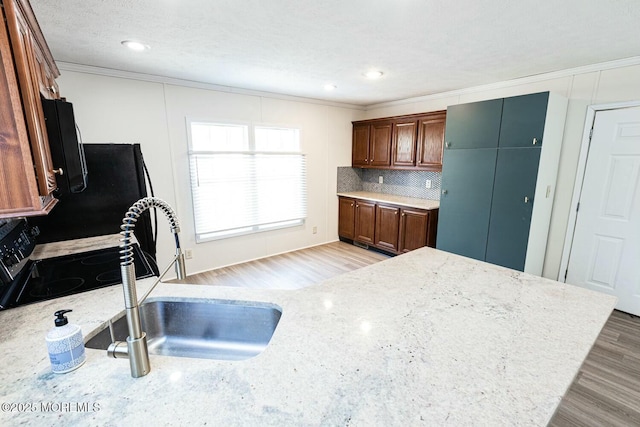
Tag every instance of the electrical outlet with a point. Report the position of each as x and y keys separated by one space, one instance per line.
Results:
x=428 y=183
x=315 y=230
x=188 y=253
x=380 y=179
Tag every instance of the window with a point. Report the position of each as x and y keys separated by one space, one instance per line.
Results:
x=245 y=179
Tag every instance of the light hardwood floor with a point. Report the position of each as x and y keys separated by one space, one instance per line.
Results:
x=606 y=391
x=292 y=270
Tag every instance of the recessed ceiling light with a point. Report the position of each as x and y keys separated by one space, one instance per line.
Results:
x=330 y=87
x=135 y=45
x=373 y=74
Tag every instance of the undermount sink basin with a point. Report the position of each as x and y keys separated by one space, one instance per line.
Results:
x=206 y=329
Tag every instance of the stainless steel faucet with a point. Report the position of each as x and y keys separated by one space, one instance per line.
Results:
x=136 y=346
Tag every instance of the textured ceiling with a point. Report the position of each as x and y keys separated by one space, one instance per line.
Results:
x=294 y=47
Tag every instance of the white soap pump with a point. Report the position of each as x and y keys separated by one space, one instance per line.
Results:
x=65 y=345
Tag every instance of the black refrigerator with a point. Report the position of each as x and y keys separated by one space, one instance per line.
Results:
x=115 y=180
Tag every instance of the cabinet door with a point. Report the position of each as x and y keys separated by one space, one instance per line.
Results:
x=405 y=133
x=27 y=70
x=360 y=148
x=465 y=204
x=46 y=83
x=430 y=142
x=380 y=144
x=414 y=226
x=512 y=205
x=346 y=217
x=474 y=125
x=387 y=225
x=365 y=222
x=19 y=190
x=523 y=119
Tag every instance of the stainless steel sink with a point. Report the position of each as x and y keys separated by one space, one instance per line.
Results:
x=206 y=329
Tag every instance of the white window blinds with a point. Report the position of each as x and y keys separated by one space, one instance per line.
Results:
x=245 y=179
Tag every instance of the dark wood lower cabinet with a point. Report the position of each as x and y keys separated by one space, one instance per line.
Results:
x=387 y=227
x=414 y=229
x=365 y=222
x=347 y=218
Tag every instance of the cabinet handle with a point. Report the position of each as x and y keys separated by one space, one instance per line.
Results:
x=526 y=199
x=351 y=204
x=357 y=206
x=395 y=212
x=58 y=171
x=52 y=89
x=402 y=213
x=535 y=141
x=445 y=192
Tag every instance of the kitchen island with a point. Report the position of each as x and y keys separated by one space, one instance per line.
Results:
x=425 y=338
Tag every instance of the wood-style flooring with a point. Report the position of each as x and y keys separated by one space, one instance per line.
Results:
x=291 y=270
x=606 y=391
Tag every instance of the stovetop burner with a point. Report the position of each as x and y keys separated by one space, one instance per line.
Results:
x=56 y=287
x=105 y=258
x=70 y=274
x=109 y=276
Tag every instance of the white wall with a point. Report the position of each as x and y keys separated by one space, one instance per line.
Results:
x=597 y=86
x=113 y=109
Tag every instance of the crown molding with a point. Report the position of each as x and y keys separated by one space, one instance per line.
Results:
x=620 y=63
x=152 y=78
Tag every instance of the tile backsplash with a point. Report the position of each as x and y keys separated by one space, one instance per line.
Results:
x=398 y=182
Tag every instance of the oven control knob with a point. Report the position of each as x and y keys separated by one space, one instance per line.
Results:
x=9 y=260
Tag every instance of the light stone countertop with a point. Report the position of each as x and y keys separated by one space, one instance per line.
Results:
x=55 y=249
x=411 y=202
x=425 y=338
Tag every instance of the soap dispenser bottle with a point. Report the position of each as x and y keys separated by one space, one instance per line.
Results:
x=65 y=345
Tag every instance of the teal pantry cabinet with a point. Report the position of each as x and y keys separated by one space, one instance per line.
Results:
x=499 y=172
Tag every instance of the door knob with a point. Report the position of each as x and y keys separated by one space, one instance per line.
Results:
x=526 y=199
x=444 y=192
x=535 y=141
x=447 y=144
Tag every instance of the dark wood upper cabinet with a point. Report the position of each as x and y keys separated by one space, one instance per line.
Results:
x=405 y=133
x=380 y=144
x=27 y=174
x=371 y=145
x=430 y=141
x=360 y=146
x=404 y=142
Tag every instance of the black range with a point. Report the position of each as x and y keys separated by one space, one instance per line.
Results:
x=25 y=281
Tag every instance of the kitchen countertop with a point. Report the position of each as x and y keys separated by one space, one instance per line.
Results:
x=424 y=338
x=411 y=202
x=55 y=249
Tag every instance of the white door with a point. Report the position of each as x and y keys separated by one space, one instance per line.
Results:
x=605 y=253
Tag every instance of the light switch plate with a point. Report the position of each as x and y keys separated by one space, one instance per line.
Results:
x=428 y=183
x=380 y=179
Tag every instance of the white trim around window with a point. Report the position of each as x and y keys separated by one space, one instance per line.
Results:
x=245 y=178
